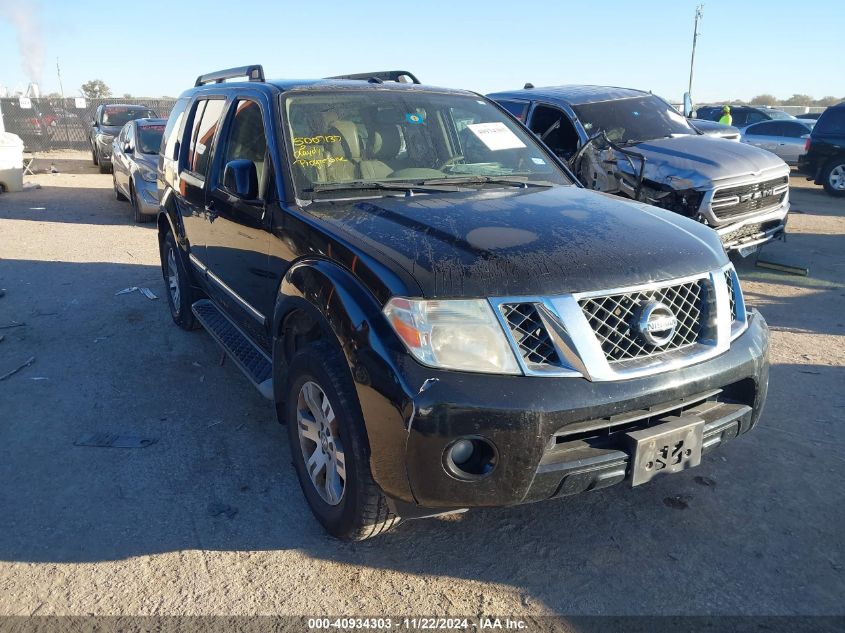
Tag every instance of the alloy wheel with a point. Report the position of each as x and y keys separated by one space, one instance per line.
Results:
x=173 y=279
x=837 y=178
x=319 y=440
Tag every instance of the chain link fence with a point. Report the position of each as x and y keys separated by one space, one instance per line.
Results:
x=50 y=124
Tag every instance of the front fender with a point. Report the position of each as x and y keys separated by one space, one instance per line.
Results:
x=350 y=316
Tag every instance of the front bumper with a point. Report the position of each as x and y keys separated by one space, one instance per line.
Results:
x=755 y=230
x=147 y=196
x=560 y=436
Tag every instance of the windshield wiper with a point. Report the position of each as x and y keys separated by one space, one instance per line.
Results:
x=407 y=187
x=512 y=181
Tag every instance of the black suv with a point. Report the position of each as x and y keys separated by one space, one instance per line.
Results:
x=443 y=318
x=824 y=160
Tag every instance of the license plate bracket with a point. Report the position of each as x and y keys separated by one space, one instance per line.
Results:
x=667 y=448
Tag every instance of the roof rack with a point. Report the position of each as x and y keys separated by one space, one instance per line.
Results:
x=380 y=76
x=254 y=72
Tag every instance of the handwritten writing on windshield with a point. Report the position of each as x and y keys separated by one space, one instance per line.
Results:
x=308 y=150
x=319 y=162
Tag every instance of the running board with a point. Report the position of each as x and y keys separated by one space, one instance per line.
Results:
x=251 y=360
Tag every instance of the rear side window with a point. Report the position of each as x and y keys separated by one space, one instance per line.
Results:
x=767 y=128
x=206 y=122
x=832 y=121
x=173 y=127
x=516 y=108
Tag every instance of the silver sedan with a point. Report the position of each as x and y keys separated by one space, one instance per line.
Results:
x=786 y=138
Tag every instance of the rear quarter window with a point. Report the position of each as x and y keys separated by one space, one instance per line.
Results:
x=831 y=122
x=516 y=108
x=173 y=127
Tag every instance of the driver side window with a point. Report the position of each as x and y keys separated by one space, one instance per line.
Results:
x=246 y=140
x=560 y=135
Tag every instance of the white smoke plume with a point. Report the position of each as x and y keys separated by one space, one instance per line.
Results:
x=24 y=17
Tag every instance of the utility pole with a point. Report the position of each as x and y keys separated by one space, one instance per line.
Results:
x=699 y=13
x=64 y=105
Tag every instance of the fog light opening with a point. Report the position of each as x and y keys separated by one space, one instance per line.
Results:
x=470 y=458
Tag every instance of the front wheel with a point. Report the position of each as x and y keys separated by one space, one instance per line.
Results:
x=179 y=290
x=137 y=216
x=833 y=177
x=329 y=447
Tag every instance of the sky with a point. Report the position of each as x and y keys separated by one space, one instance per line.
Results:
x=155 y=48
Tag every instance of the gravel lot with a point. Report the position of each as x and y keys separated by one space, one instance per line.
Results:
x=757 y=529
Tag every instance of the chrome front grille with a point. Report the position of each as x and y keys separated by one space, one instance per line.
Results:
x=625 y=332
x=732 y=202
x=614 y=319
x=729 y=280
x=530 y=334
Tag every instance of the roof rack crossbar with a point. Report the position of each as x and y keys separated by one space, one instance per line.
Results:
x=255 y=72
x=383 y=75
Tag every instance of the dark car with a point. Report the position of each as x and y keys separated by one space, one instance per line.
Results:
x=814 y=116
x=25 y=118
x=824 y=157
x=134 y=164
x=106 y=125
x=743 y=116
x=635 y=144
x=441 y=315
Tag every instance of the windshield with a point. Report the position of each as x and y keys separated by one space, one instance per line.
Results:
x=149 y=138
x=778 y=115
x=120 y=116
x=632 y=120
x=395 y=137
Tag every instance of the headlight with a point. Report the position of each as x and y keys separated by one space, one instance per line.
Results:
x=105 y=138
x=147 y=173
x=452 y=334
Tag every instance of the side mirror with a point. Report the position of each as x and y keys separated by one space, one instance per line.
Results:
x=241 y=178
x=127 y=147
x=687 y=105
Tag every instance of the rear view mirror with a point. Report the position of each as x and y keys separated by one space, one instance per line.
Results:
x=241 y=177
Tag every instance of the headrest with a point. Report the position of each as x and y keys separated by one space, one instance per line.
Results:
x=351 y=145
x=386 y=141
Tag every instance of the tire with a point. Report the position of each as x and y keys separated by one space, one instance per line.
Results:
x=176 y=278
x=94 y=158
x=833 y=177
x=105 y=169
x=358 y=510
x=117 y=194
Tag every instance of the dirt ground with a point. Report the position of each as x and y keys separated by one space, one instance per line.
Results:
x=756 y=529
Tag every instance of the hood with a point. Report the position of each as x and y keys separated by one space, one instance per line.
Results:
x=686 y=162
x=522 y=242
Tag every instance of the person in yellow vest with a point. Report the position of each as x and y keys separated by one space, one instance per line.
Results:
x=726 y=119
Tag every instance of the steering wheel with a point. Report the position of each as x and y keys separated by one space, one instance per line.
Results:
x=454 y=160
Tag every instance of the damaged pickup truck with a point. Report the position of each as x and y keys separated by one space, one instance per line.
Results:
x=635 y=144
x=442 y=317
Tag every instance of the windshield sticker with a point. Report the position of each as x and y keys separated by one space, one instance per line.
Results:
x=414 y=118
x=538 y=161
x=153 y=128
x=115 y=109
x=496 y=136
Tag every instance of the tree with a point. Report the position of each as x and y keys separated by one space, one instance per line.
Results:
x=826 y=101
x=764 y=99
x=95 y=89
x=126 y=95
x=798 y=100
